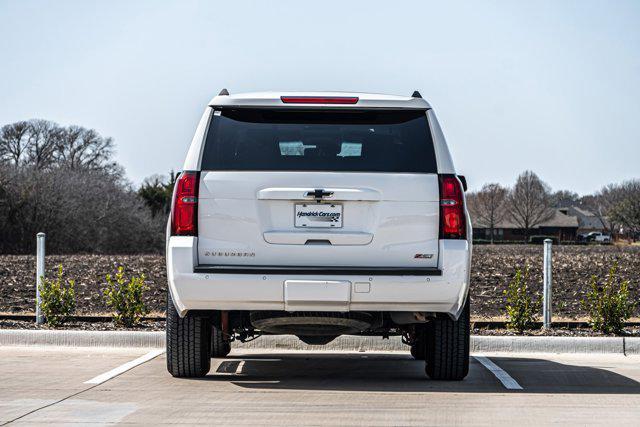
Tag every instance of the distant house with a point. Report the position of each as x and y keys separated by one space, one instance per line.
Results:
x=587 y=220
x=562 y=226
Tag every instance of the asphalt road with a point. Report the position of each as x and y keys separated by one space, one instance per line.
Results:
x=54 y=386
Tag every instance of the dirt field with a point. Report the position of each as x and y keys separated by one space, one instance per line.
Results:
x=493 y=266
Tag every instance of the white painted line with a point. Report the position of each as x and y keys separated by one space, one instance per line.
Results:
x=506 y=380
x=124 y=368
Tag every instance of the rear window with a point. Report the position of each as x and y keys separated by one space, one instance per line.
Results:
x=340 y=141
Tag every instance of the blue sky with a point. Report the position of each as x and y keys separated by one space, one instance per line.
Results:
x=552 y=86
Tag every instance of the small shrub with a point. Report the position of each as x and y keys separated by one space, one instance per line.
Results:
x=561 y=306
x=125 y=298
x=609 y=305
x=521 y=306
x=57 y=299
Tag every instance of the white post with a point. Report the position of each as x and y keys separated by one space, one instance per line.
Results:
x=39 y=275
x=546 y=274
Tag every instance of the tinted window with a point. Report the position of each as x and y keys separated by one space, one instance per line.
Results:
x=358 y=141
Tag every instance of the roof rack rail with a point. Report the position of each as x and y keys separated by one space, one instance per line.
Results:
x=416 y=94
x=224 y=92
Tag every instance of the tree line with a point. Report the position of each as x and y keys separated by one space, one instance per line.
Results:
x=531 y=202
x=63 y=180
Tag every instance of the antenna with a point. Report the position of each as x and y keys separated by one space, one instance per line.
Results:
x=416 y=94
x=224 y=92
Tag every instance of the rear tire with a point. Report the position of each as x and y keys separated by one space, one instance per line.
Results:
x=419 y=346
x=188 y=343
x=418 y=350
x=447 y=347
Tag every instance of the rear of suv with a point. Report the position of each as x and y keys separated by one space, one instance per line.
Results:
x=318 y=215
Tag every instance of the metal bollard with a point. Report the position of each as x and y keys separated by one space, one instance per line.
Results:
x=546 y=275
x=39 y=274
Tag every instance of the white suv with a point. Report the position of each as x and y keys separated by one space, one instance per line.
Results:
x=318 y=215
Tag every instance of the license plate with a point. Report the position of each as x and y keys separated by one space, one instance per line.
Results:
x=318 y=215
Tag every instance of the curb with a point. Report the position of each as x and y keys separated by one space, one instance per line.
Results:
x=113 y=339
x=479 y=344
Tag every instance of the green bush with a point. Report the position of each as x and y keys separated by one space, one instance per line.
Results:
x=609 y=305
x=125 y=298
x=57 y=299
x=521 y=306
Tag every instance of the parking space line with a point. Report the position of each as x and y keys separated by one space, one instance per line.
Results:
x=124 y=367
x=507 y=381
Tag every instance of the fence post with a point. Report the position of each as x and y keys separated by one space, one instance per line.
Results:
x=547 y=293
x=39 y=274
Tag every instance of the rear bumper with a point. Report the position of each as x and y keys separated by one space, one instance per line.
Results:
x=442 y=290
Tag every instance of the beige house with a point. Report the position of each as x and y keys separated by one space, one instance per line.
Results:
x=562 y=226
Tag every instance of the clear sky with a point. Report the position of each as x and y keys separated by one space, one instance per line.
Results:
x=552 y=86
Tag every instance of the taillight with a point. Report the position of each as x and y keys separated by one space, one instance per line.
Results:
x=319 y=99
x=184 y=209
x=453 y=224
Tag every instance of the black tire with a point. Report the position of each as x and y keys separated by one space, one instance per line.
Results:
x=447 y=347
x=419 y=346
x=418 y=350
x=188 y=343
x=219 y=346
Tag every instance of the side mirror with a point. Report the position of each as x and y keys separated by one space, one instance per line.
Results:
x=463 y=180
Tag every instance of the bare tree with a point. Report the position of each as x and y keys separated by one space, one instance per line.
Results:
x=64 y=181
x=487 y=205
x=78 y=147
x=82 y=210
x=564 y=198
x=42 y=142
x=626 y=212
x=13 y=142
x=529 y=202
x=602 y=203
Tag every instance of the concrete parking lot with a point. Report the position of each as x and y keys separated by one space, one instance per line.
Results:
x=57 y=386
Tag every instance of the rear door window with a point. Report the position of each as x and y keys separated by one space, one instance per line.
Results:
x=340 y=141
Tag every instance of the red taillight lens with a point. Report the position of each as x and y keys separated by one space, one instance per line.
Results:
x=453 y=223
x=319 y=99
x=184 y=212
